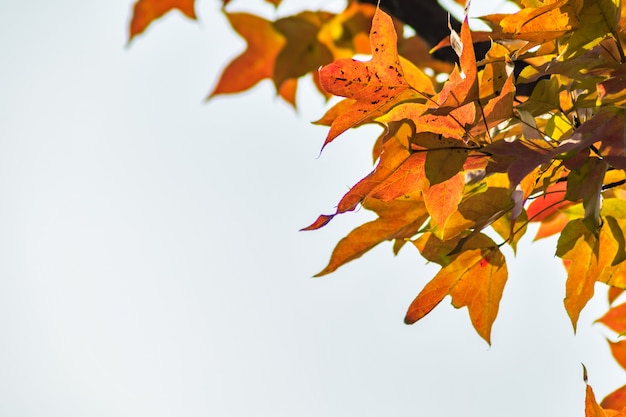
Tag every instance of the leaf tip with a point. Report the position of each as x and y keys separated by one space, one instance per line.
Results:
x=321 y=221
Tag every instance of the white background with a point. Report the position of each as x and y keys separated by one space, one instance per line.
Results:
x=151 y=264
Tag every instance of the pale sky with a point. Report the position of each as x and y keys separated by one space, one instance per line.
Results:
x=151 y=264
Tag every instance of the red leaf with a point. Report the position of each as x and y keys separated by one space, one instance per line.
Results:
x=257 y=61
x=549 y=203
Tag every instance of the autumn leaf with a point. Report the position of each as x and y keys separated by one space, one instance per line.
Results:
x=592 y=408
x=393 y=155
x=443 y=199
x=613 y=293
x=375 y=85
x=479 y=209
x=397 y=220
x=548 y=203
x=257 y=62
x=597 y=20
x=618 y=350
x=615 y=400
x=147 y=11
x=462 y=86
x=578 y=245
x=409 y=177
x=475 y=279
x=615 y=319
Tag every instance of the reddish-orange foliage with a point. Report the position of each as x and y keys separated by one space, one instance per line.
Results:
x=147 y=11
x=462 y=166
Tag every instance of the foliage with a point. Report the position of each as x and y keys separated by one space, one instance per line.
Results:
x=462 y=161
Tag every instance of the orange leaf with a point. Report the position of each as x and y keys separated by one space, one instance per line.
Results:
x=393 y=155
x=552 y=225
x=147 y=11
x=579 y=246
x=615 y=400
x=445 y=124
x=615 y=319
x=443 y=199
x=618 y=350
x=397 y=220
x=536 y=25
x=549 y=203
x=461 y=87
x=409 y=177
x=376 y=85
x=257 y=62
x=592 y=409
x=321 y=221
x=613 y=293
x=474 y=278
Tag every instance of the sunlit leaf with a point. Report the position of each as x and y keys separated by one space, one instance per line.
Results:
x=257 y=62
x=397 y=219
x=615 y=318
x=615 y=400
x=147 y=11
x=474 y=279
x=578 y=245
x=376 y=85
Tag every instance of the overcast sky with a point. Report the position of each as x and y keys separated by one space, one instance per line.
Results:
x=151 y=264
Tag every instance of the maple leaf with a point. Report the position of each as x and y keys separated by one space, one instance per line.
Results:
x=397 y=220
x=375 y=85
x=618 y=350
x=592 y=408
x=613 y=293
x=474 y=278
x=147 y=11
x=578 y=245
x=257 y=62
x=615 y=400
x=615 y=319
x=393 y=155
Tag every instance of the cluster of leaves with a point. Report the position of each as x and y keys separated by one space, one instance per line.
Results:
x=469 y=160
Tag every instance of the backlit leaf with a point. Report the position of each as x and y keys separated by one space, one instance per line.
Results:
x=615 y=318
x=618 y=350
x=397 y=220
x=474 y=279
x=592 y=409
x=376 y=85
x=257 y=62
x=147 y=11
